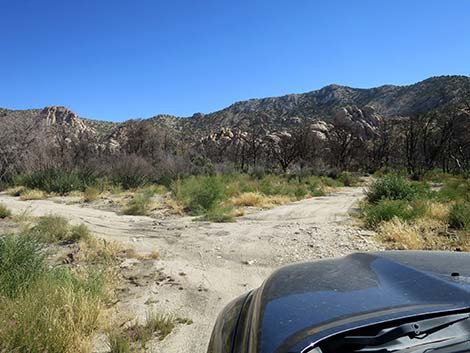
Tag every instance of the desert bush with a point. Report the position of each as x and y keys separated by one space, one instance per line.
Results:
x=249 y=199
x=118 y=342
x=62 y=321
x=391 y=187
x=398 y=234
x=156 y=325
x=44 y=309
x=34 y=194
x=218 y=215
x=4 y=212
x=140 y=204
x=348 y=179
x=57 y=180
x=459 y=215
x=436 y=176
x=421 y=234
x=52 y=229
x=79 y=232
x=386 y=210
x=199 y=194
x=90 y=194
x=15 y=191
x=21 y=263
x=455 y=189
x=437 y=211
x=130 y=171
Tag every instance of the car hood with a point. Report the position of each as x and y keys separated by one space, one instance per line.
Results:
x=306 y=302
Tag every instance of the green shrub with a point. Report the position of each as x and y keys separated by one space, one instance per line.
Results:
x=118 y=342
x=57 y=314
x=455 y=189
x=348 y=179
x=385 y=210
x=155 y=325
x=52 y=229
x=80 y=232
x=21 y=263
x=199 y=194
x=43 y=309
x=4 y=212
x=140 y=204
x=56 y=180
x=217 y=215
x=391 y=187
x=459 y=215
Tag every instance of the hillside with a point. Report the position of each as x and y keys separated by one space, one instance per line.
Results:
x=277 y=112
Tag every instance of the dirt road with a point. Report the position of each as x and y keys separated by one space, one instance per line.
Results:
x=205 y=265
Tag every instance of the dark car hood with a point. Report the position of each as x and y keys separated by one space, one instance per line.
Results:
x=305 y=302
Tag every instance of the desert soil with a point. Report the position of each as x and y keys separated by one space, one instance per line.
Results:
x=203 y=265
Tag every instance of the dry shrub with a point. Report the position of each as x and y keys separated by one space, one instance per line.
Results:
x=174 y=206
x=253 y=199
x=101 y=251
x=439 y=211
x=4 y=212
x=15 y=191
x=90 y=194
x=33 y=194
x=249 y=199
x=237 y=212
x=421 y=234
x=400 y=235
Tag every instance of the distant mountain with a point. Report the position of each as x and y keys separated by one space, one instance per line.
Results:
x=274 y=113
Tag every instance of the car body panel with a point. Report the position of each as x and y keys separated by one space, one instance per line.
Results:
x=302 y=303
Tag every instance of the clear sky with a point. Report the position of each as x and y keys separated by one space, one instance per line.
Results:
x=120 y=59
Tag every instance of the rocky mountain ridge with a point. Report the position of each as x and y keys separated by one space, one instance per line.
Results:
x=356 y=107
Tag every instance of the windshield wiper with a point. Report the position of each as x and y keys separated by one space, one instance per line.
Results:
x=417 y=329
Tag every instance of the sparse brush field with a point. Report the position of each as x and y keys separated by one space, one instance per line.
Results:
x=411 y=215
x=57 y=283
x=217 y=198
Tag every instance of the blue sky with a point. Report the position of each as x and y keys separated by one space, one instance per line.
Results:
x=121 y=59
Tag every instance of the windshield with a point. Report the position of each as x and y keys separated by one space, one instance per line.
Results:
x=449 y=334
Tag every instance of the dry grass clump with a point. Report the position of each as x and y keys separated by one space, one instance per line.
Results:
x=134 y=338
x=254 y=199
x=436 y=210
x=55 y=229
x=421 y=234
x=140 y=204
x=4 y=212
x=248 y=199
x=174 y=206
x=400 y=235
x=101 y=251
x=44 y=309
x=32 y=194
x=15 y=191
x=90 y=194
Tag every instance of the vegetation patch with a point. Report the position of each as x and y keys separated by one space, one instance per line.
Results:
x=459 y=215
x=67 y=313
x=90 y=194
x=386 y=210
x=4 y=212
x=134 y=338
x=140 y=204
x=391 y=187
x=53 y=229
x=32 y=194
x=56 y=180
x=409 y=215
